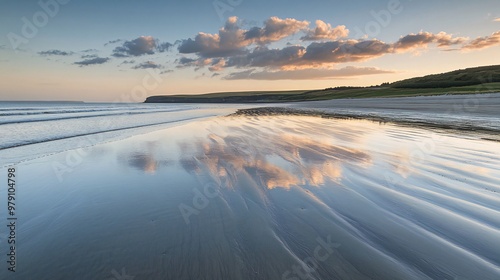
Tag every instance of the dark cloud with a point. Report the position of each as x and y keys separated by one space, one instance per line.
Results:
x=147 y=65
x=208 y=45
x=113 y=42
x=294 y=57
x=484 y=42
x=92 y=61
x=128 y=62
x=316 y=54
x=166 y=72
x=144 y=45
x=345 y=51
x=185 y=61
x=89 y=50
x=55 y=52
x=163 y=47
x=229 y=41
x=265 y=57
x=306 y=74
x=86 y=56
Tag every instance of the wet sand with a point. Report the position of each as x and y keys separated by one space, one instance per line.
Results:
x=464 y=104
x=466 y=113
x=265 y=197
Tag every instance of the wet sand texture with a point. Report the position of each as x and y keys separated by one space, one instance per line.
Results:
x=280 y=197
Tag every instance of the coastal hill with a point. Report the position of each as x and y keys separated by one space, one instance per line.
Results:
x=464 y=81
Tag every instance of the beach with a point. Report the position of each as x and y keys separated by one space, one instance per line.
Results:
x=282 y=196
x=250 y=140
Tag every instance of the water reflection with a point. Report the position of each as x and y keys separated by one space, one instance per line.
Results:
x=143 y=162
x=274 y=158
x=440 y=222
x=147 y=157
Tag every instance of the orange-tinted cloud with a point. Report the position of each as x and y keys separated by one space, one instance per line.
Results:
x=275 y=29
x=423 y=39
x=484 y=42
x=325 y=31
x=231 y=48
x=231 y=39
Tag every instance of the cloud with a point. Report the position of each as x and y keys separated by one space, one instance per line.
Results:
x=113 y=42
x=250 y=48
x=147 y=65
x=127 y=62
x=306 y=74
x=293 y=57
x=497 y=19
x=92 y=61
x=234 y=51
x=232 y=40
x=235 y=47
x=325 y=31
x=185 y=61
x=423 y=39
x=345 y=51
x=314 y=55
x=275 y=29
x=217 y=64
x=89 y=56
x=144 y=45
x=163 y=47
x=229 y=41
x=89 y=50
x=265 y=57
x=483 y=42
x=55 y=52
x=192 y=62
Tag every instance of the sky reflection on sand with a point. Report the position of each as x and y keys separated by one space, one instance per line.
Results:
x=275 y=159
x=277 y=185
x=414 y=179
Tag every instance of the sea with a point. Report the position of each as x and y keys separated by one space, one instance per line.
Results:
x=30 y=130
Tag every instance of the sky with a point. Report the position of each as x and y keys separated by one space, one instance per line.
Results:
x=124 y=51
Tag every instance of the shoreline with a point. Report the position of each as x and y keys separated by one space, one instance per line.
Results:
x=470 y=130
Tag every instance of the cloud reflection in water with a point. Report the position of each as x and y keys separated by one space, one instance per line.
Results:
x=275 y=158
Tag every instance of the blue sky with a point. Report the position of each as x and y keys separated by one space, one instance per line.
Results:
x=284 y=51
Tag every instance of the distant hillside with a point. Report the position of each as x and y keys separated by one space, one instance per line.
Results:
x=462 y=77
x=472 y=80
x=226 y=97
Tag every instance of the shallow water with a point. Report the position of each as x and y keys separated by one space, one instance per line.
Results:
x=263 y=198
x=35 y=129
